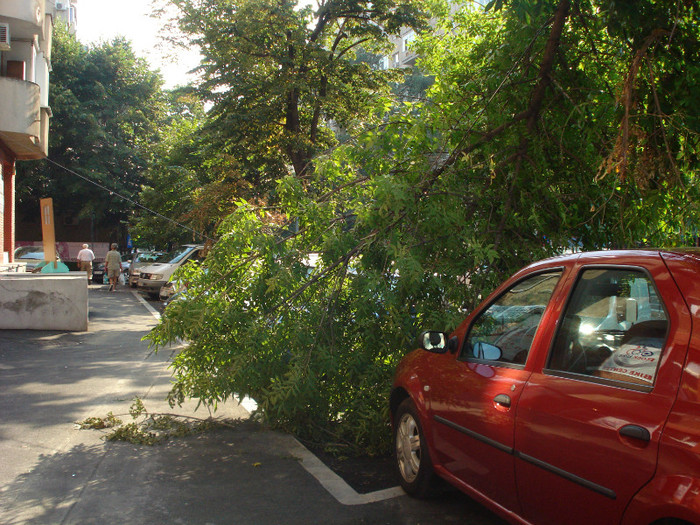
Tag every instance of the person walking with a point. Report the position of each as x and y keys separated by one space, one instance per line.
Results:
x=85 y=258
x=113 y=266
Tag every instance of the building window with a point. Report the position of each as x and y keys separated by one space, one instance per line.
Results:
x=407 y=39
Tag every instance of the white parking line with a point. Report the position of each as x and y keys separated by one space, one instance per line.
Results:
x=336 y=485
x=152 y=310
x=329 y=480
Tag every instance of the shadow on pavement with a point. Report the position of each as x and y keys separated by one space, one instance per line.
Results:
x=52 y=472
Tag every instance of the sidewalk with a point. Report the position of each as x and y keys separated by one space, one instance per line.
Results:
x=52 y=472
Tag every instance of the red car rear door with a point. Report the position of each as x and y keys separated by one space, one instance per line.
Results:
x=588 y=427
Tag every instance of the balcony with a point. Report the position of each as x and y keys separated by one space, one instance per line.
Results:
x=25 y=17
x=23 y=122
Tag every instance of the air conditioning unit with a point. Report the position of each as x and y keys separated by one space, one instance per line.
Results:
x=4 y=37
x=61 y=6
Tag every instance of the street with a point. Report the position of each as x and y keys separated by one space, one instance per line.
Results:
x=53 y=472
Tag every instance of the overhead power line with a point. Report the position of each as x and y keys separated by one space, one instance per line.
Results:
x=112 y=192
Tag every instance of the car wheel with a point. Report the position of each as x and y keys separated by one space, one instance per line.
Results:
x=411 y=457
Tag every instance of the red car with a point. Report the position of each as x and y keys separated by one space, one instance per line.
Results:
x=570 y=395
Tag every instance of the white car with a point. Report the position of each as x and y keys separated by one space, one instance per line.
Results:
x=140 y=260
x=169 y=289
x=154 y=276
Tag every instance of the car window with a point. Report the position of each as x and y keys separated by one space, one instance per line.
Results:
x=614 y=327
x=30 y=252
x=176 y=256
x=147 y=257
x=505 y=330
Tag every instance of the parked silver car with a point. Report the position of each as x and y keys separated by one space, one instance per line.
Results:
x=32 y=256
x=140 y=260
x=155 y=275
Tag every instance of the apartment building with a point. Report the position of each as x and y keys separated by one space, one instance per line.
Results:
x=26 y=27
x=67 y=12
x=403 y=54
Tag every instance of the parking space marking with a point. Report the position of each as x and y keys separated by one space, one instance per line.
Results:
x=336 y=485
x=143 y=301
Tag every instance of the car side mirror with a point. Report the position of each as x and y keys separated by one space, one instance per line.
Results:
x=437 y=342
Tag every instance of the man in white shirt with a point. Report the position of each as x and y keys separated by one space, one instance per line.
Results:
x=85 y=258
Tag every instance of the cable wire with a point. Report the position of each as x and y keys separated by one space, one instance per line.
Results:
x=112 y=192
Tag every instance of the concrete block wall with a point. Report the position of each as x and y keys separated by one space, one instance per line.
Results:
x=44 y=301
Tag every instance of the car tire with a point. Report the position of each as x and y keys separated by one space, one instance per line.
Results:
x=411 y=457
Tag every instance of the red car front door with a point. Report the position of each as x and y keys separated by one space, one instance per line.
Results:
x=588 y=427
x=473 y=396
x=473 y=431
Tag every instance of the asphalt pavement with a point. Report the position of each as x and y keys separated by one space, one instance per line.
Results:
x=53 y=472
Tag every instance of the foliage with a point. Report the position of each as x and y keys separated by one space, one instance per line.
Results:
x=147 y=428
x=278 y=74
x=109 y=421
x=271 y=101
x=106 y=107
x=588 y=144
x=177 y=171
x=541 y=134
x=191 y=183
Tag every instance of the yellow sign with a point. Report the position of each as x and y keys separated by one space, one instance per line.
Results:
x=47 y=230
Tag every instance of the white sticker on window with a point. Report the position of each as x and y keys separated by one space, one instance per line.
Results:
x=637 y=359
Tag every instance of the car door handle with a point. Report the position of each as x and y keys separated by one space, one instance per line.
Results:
x=636 y=432
x=503 y=400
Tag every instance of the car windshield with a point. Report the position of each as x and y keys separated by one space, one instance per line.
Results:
x=176 y=255
x=147 y=257
x=30 y=252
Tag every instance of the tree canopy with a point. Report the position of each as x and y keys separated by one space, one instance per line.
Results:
x=279 y=74
x=175 y=179
x=551 y=126
x=106 y=106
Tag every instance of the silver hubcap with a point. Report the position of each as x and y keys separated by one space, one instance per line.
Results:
x=408 y=447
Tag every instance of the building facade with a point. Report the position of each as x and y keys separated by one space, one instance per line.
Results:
x=26 y=28
x=403 y=54
x=67 y=12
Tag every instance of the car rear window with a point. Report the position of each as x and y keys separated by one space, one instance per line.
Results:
x=614 y=327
